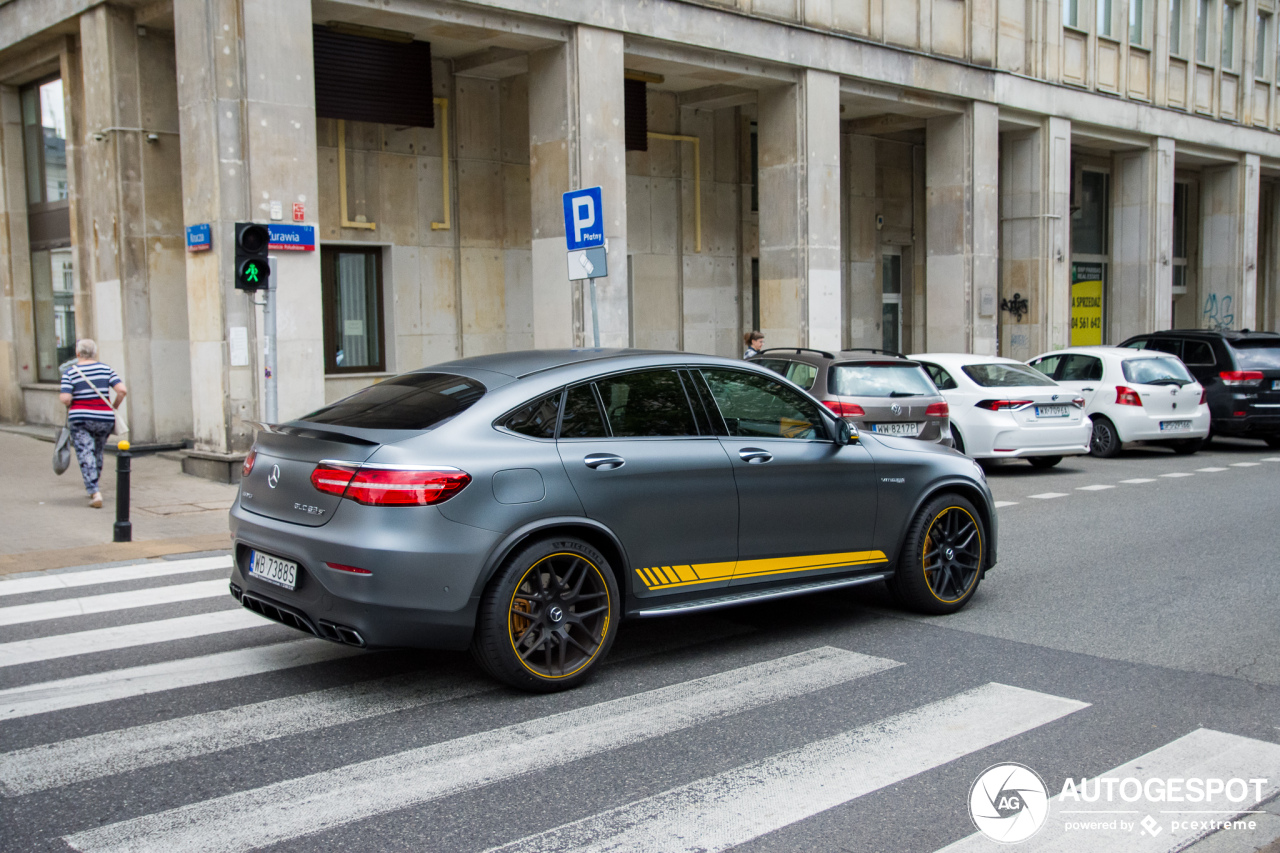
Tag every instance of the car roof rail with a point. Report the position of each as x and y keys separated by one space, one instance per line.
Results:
x=798 y=350
x=874 y=350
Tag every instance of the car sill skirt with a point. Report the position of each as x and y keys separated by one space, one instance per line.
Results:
x=751 y=597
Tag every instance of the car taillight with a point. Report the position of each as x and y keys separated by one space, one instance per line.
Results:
x=1002 y=405
x=247 y=467
x=1240 y=377
x=1127 y=396
x=845 y=410
x=1078 y=401
x=390 y=486
x=937 y=410
x=1204 y=396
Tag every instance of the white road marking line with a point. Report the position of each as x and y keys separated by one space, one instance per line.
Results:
x=110 y=753
x=1005 y=503
x=1096 y=488
x=1176 y=474
x=62 y=608
x=1138 y=480
x=1046 y=496
x=127 y=636
x=1210 y=470
x=115 y=574
x=1245 y=464
x=1271 y=459
x=1203 y=754
x=734 y=807
x=299 y=807
x=97 y=687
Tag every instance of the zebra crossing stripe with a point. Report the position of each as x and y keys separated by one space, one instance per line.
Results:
x=97 y=687
x=91 y=577
x=62 y=608
x=94 y=756
x=734 y=807
x=298 y=807
x=127 y=636
x=1202 y=754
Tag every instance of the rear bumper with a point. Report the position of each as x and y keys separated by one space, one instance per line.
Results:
x=1041 y=441
x=1140 y=426
x=1259 y=426
x=424 y=571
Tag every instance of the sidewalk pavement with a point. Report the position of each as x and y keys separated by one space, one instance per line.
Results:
x=49 y=524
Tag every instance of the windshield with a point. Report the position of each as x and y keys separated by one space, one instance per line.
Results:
x=1164 y=370
x=1257 y=355
x=415 y=401
x=1005 y=375
x=880 y=380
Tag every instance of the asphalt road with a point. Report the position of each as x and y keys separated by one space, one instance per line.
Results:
x=1129 y=630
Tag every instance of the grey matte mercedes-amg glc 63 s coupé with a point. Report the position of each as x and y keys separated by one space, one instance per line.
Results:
x=524 y=504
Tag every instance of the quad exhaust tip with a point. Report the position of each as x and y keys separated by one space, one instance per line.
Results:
x=286 y=615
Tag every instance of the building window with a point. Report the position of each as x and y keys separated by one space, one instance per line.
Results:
x=44 y=138
x=1071 y=13
x=351 y=279
x=1180 y=238
x=891 y=302
x=1105 y=18
x=1229 y=51
x=1089 y=214
x=1137 y=22
x=1175 y=27
x=1204 y=19
x=1262 y=40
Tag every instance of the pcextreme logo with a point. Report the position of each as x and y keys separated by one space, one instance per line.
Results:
x=1008 y=802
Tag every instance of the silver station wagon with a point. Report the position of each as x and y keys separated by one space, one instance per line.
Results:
x=524 y=504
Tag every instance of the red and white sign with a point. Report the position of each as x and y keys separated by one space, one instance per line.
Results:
x=299 y=211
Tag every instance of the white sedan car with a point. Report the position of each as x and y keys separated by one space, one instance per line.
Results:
x=1132 y=395
x=1002 y=409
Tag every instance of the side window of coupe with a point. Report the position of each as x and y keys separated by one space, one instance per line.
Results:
x=754 y=406
x=940 y=377
x=582 y=415
x=646 y=404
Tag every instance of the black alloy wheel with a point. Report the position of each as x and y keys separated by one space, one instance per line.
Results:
x=548 y=617
x=1044 y=461
x=942 y=558
x=959 y=442
x=1105 y=442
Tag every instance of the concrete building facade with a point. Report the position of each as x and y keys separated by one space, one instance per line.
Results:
x=993 y=176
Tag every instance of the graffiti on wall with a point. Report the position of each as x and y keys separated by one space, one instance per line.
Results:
x=1217 y=314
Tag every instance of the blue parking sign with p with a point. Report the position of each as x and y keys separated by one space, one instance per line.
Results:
x=583 y=219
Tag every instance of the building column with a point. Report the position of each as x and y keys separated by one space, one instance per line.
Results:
x=1035 y=200
x=1229 y=245
x=247 y=115
x=799 y=169
x=1140 y=288
x=863 y=289
x=577 y=140
x=17 y=330
x=1268 y=318
x=962 y=212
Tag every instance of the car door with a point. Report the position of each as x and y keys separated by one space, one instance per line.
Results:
x=1083 y=375
x=640 y=466
x=806 y=506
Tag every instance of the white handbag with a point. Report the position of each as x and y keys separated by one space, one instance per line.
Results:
x=117 y=428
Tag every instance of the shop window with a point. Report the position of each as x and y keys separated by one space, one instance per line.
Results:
x=351 y=280
x=1180 y=237
x=44 y=137
x=1089 y=218
x=891 y=302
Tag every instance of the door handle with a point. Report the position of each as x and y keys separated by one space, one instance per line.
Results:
x=755 y=456
x=603 y=461
x=1086 y=389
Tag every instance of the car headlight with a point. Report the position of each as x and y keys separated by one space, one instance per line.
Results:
x=982 y=472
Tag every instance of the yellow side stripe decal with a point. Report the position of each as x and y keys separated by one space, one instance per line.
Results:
x=664 y=577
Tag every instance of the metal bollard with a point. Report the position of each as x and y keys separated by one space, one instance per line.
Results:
x=124 y=527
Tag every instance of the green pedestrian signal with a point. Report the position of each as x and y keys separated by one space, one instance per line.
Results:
x=252 y=268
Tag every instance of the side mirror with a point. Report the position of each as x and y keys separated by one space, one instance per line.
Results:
x=845 y=433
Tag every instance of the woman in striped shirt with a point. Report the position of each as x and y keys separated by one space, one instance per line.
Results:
x=89 y=416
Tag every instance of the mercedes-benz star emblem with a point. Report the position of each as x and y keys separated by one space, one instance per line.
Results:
x=273 y=479
x=555 y=614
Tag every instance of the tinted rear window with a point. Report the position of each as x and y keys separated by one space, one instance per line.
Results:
x=414 y=401
x=1005 y=375
x=880 y=380
x=1257 y=355
x=1163 y=370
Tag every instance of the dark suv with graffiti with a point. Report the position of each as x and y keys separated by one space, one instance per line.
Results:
x=1240 y=372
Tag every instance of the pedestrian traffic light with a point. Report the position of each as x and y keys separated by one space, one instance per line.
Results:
x=252 y=269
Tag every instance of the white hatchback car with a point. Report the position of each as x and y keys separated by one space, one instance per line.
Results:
x=1002 y=409
x=1132 y=395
